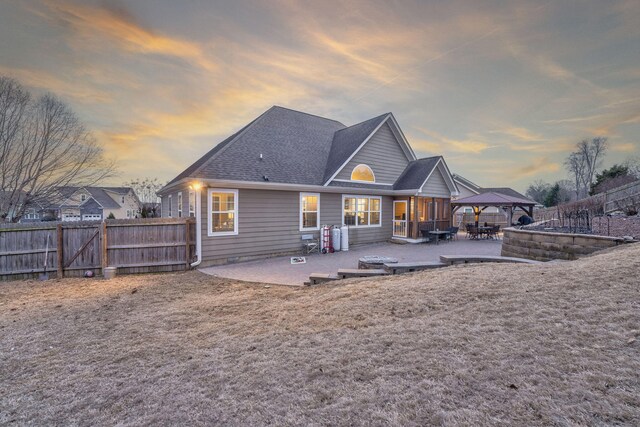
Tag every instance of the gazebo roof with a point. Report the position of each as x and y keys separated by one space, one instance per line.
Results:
x=492 y=198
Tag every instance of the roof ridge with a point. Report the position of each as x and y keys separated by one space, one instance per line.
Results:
x=364 y=121
x=426 y=158
x=308 y=114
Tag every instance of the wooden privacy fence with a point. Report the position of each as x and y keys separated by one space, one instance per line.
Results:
x=68 y=249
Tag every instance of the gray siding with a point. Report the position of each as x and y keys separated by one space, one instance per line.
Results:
x=436 y=185
x=174 y=203
x=383 y=154
x=269 y=221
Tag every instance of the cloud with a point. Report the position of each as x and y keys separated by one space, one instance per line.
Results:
x=73 y=89
x=537 y=166
x=624 y=147
x=520 y=133
x=575 y=119
x=119 y=27
x=472 y=144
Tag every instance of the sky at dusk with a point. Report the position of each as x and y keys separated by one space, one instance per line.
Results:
x=502 y=89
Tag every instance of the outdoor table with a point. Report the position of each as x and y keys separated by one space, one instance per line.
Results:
x=438 y=233
x=484 y=230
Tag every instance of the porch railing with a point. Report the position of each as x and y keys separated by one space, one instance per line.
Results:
x=441 y=224
x=400 y=228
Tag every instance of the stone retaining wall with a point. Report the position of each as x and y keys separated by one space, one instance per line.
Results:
x=547 y=246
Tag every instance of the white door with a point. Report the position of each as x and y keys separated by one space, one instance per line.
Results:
x=399 y=218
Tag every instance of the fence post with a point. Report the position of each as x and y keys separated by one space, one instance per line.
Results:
x=187 y=234
x=60 y=251
x=103 y=248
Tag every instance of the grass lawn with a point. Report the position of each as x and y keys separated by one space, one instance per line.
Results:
x=469 y=345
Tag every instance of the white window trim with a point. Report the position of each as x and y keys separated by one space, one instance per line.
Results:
x=361 y=196
x=317 y=227
x=192 y=212
x=169 y=211
x=357 y=180
x=180 y=201
x=210 y=231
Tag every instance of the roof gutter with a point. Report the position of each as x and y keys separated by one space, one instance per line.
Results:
x=226 y=183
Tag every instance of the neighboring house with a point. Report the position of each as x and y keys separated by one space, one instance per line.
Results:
x=287 y=173
x=93 y=203
x=468 y=189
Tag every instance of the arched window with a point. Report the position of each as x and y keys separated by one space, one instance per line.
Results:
x=363 y=173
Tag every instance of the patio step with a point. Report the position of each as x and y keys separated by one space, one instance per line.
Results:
x=345 y=273
x=408 y=267
x=468 y=259
x=318 y=278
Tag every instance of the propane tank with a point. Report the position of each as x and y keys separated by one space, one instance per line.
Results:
x=344 y=238
x=335 y=238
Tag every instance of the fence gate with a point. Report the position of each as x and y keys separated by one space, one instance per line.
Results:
x=71 y=248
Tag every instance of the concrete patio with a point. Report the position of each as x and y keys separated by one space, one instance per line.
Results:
x=279 y=270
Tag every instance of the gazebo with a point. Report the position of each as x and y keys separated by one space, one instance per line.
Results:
x=480 y=202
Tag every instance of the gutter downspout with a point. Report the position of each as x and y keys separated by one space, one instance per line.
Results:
x=198 y=229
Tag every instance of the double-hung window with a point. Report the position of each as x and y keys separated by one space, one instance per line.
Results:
x=309 y=211
x=361 y=211
x=169 y=203
x=223 y=212
x=192 y=203
x=179 y=204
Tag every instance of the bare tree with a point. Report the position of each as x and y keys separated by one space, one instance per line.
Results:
x=146 y=189
x=633 y=165
x=538 y=191
x=593 y=152
x=583 y=162
x=44 y=147
x=566 y=191
x=575 y=165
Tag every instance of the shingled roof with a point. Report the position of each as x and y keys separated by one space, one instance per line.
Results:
x=491 y=198
x=97 y=193
x=416 y=173
x=506 y=191
x=346 y=141
x=283 y=146
x=293 y=147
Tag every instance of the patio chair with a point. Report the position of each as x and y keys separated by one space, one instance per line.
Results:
x=453 y=233
x=493 y=233
x=310 y=244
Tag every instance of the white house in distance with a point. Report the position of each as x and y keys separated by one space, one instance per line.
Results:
x=87 y=204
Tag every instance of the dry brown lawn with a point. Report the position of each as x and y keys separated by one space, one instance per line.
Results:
x=554 y=344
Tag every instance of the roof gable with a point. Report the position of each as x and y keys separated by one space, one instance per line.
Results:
x=349 y=142
x=416 y=173
x=101 y=196
x=432 y=170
